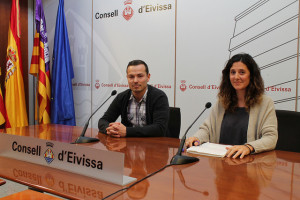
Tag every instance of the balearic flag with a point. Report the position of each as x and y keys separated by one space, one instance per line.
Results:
x=40 y=65
x=62 y=103
x=14 y=86
x=2 y=107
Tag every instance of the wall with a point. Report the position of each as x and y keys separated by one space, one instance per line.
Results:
x=185 y=43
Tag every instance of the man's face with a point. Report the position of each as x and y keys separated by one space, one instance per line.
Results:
x=137 y=79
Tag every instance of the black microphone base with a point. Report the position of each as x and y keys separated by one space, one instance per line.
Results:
x=181 y=160
x=82 y=139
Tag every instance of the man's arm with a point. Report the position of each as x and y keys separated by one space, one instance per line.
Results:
x=111 y=115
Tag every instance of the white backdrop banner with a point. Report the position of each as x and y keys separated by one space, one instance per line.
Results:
x=185 y=43
x=129 y=30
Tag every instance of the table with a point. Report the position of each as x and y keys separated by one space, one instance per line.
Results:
x=269 y=175
x=2 y=182
x=30 y=195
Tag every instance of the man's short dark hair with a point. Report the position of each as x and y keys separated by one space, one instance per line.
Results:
x=138 y=62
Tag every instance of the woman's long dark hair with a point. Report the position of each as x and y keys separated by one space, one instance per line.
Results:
x=227 y=94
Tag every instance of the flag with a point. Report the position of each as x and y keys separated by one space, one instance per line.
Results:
x=40 y=65
x=14 y=86
x=2 y=107
x=62 y=103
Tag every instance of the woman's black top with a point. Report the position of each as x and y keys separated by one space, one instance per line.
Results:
x=234 y=127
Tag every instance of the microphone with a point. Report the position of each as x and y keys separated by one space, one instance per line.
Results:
x=178 y=159
x=82 y=138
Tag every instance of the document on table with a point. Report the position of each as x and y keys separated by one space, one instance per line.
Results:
x=209 y=149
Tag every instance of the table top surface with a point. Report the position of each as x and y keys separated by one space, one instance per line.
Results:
x=2 y=182
x=269 y=175
x=30 y=195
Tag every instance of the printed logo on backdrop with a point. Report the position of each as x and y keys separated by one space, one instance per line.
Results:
x=110 y=85
x=182 y=85
x=126 y=86
x=97 y=84
x=129 y=10
x=278 y=89
x=154 y=8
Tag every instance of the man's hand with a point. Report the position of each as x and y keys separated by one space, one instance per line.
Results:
x=116 y=129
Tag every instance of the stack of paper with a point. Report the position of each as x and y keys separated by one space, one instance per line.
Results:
x=209 y=149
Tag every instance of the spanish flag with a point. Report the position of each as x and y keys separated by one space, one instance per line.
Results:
x=2 y=107
x=14 y=86
x=40 y=65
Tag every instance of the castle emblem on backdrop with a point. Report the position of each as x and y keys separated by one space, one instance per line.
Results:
x=128 y=11
x=49 y=155
x=183 y=85
x=97 y=84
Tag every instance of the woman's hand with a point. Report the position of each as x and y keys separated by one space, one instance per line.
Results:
x=192 y=141
x=238 y=150
x=232 y=161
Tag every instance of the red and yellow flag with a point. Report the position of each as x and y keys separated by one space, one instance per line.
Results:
x=2 y=107
x=40 y=66
x=14 y=86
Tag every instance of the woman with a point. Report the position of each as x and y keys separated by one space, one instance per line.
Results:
x=243 y=116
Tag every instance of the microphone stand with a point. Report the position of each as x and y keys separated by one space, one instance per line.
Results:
x=179 y=159
x=82 y=138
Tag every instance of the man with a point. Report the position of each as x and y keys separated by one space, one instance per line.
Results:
x=144 y=109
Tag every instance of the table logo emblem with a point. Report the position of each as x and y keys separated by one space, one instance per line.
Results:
x=49 y=155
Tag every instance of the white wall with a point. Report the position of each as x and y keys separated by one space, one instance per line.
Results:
x=194 y=40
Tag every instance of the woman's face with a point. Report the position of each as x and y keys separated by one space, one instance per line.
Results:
x=239 y=76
